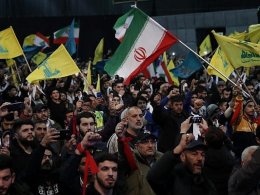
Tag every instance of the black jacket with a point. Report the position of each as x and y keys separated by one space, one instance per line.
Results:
x=169 y=176
x=170 y=123
x=218 y=166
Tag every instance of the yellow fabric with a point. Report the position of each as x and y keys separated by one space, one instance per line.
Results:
x=246 y=126
x=9 y=45
x=15 y=82
x=174 y=78
x=205 y=46
x=38 y=58
x=239 y=53
x=99 y=52
x=221 y=63
x=58 y=64
x=99 y=120
x=88 y=81
x=29 y=40
x=238 y=35
x=98 y=84
x=254 y=34
x=10 y=62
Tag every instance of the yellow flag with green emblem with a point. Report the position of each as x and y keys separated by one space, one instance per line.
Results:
x=58 y=64
x=205 y=46
x=221 y=63
x=238 y=52
x=38 y=58
x=9 y=45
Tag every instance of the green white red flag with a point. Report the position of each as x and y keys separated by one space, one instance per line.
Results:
x=61 y=36
x=143 y=41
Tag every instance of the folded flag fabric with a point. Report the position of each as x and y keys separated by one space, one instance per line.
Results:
x=205 y=46
x=220 y=62
x=9 y=45
x=144 y=41
x=190 y=65
x=238 y=52
x=61 y=36
x=99 y=52
x=58 y=64
x=34 y=42
x=70 y=43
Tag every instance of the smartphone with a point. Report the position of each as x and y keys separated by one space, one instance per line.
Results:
x=64 y=134
x=196 y=119
x=15 y=106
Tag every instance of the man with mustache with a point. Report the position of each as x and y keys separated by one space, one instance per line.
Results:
x=180 y=171
x=106 y=177
x=22 y=145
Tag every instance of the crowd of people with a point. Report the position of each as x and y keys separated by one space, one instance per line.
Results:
x=149 y=137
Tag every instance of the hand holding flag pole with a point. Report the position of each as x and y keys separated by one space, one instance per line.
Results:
x=212 y=66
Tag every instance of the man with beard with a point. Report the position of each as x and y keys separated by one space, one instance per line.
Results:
x=106 y=177
x=98 y=178
x=22 y=145
x=244 y=125
x=8 y=183
x=180 y=171
x=42 y=174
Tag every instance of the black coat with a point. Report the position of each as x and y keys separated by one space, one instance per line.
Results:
x=169 y=176
x=170 y=123
x=218 y=166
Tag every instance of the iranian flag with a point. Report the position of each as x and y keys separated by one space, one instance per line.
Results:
x=61 y=36
x=143 y=41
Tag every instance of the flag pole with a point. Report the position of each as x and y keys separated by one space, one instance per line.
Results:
x=27 y=63
x=17 y=72
x=212 y=66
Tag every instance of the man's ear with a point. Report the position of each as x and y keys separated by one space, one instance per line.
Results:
x=182 y=157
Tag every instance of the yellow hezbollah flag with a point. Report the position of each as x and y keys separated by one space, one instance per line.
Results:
x=88 y=81
x=38 y=58
x=253 y=34
x=205 y=46
x=58 y=64
x=221 y=63
x=238 y=35
x=99 y=52
x=9 y=45
x=173 y=77
x=98 y=84
x=239 y=53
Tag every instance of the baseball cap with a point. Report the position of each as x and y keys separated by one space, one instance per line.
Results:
x=39 y=107
x=195 y=144
x=142 y=136
x=212 y=111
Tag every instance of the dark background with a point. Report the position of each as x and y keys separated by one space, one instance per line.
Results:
x=96 y=17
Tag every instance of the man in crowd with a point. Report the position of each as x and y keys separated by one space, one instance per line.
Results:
x=169 y=121
x=145 y=155
x=245 y=180
x=180 y=171
x=8 y=183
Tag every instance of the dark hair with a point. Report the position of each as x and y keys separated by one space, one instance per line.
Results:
x=177 y=98
x=140 y=98
x=18 y=123
x=6 y=162
x=85 y=115
x=214 y=137
x=8 y=117
x=103 y=156
x=200 y=89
